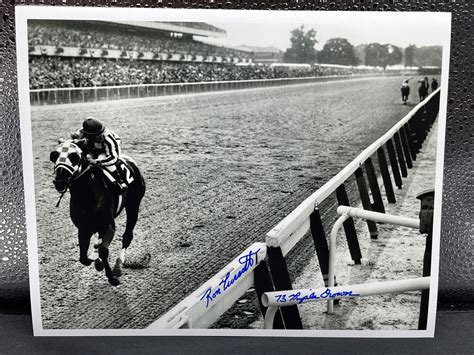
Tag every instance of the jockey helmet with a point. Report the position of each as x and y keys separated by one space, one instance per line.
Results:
x=92 y=127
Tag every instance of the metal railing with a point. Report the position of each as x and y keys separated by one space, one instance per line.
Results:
x=274 y=300
x=106 y=93
x=346 y=213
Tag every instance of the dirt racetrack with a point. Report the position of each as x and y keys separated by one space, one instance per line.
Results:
x=221 y=169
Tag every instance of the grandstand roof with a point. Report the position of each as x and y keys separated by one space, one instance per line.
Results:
x=193 y=28
x=254 y=49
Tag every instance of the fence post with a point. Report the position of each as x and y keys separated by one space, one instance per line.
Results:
x=410 y=140
x=394 y=164
x=349 y=228
x=415 y=123
x=425 y=294
x=263 y=283
x=320 y=243
x=424 y=125
x=281 y=280
x=387 y=181
x=374 y=186
x=426 y=227
x=406 y=148
x=321 y=246
x=364 y=197
x=401 y=158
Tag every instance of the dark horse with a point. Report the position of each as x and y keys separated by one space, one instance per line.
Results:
x=405 y=90
x=95 y=203
x=423 y=89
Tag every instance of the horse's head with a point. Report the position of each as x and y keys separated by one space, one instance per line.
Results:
x=67 y=159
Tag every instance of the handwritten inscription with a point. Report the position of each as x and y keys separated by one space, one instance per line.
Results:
x=247 y=260
x=298 y=297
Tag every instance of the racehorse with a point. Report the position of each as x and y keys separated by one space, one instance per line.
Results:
x=434 y=84
x=95 y=203
x=423 y=89
x=405 y=90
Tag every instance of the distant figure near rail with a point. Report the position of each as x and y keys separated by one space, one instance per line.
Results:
x=405 y=90
x=434 y=84
x=423 y=89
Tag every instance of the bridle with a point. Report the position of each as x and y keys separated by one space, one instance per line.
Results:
x=75 y=175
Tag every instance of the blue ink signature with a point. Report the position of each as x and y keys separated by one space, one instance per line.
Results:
x=247 y=261
x=313 y=296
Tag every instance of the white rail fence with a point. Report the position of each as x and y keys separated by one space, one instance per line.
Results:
x=105 y=93
x=205 y=305
x=402 y=142
x=269 y=272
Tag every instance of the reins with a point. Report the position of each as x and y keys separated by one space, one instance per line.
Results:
x=60 y=197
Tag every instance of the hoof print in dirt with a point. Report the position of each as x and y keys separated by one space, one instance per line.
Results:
x=142 y=263
x=184 y=244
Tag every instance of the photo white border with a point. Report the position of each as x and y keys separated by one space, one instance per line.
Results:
x=24 y=13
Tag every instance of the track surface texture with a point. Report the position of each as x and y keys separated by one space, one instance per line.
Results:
x=221 y=168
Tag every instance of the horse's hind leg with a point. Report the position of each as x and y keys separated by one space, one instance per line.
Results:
x=106 y=237
x=132 y=217
x=127 y=237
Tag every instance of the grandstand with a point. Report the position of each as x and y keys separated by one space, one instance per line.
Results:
x=66 y=54
x=133 y=40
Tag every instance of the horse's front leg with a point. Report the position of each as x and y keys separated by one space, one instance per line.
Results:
x=106 y=235
x=84 y=241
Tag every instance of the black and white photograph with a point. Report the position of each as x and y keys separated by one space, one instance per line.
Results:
x=227 y=172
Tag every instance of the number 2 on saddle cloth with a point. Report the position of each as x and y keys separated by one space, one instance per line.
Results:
x=124 y=171
x=118 y=174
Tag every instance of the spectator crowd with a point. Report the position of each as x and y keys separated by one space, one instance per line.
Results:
x=91 y=35
x=56 y=72
x=48 y=71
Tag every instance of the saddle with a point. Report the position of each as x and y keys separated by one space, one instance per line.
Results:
x=121 y=178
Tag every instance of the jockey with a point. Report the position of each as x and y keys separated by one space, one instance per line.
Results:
x=102 y=147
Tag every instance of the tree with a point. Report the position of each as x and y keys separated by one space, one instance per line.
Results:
x=302 y=46
x=381 y=55
x=429 y=56
x=410 y=55
x=338 y=51
x=359 y=52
